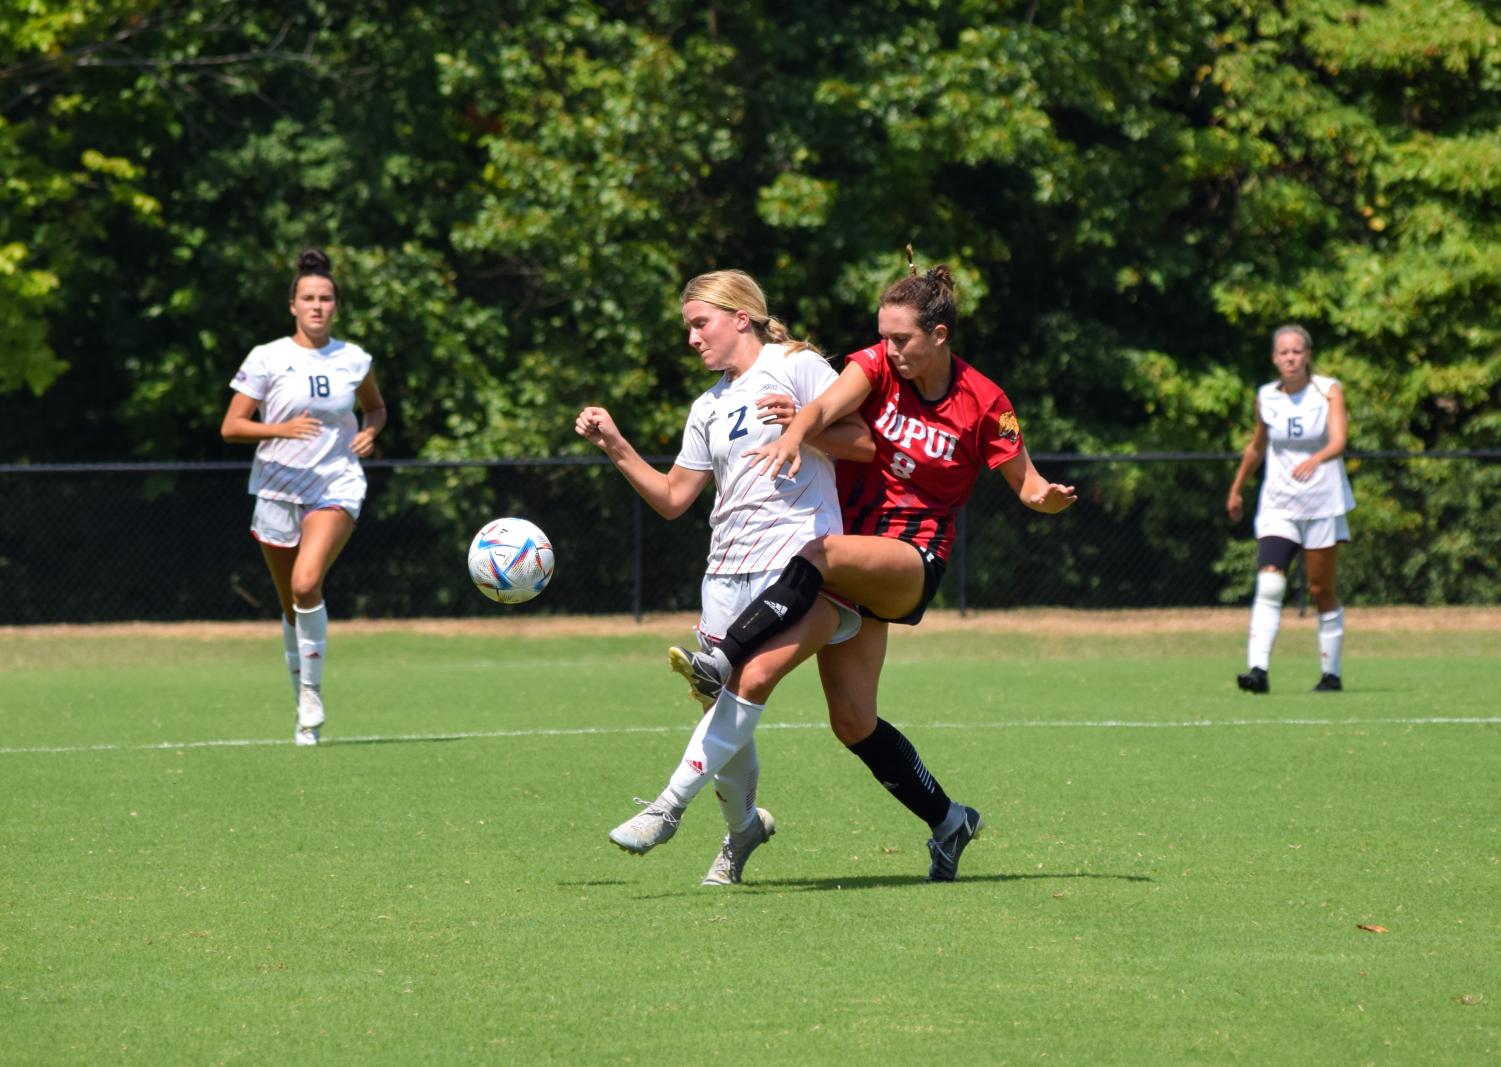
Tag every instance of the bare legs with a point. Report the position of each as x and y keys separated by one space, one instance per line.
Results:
x=298 y=574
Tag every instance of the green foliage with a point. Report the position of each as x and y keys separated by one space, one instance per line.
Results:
x=1132 y=194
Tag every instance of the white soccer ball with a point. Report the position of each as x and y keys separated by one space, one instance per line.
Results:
x=510 y=560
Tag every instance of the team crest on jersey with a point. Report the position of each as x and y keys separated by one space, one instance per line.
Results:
x=1007 y=427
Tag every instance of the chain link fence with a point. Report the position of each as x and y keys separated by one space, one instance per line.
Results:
x=111 y=542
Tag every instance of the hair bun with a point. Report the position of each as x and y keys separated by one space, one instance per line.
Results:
x=313 y=259
x=942 y=275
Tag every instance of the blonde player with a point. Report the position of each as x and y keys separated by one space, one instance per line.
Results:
x=757 y=524
x=938 y=423
x=1301 y=427
x=306 y=479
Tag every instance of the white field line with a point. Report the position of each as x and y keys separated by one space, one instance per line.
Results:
x=611 y=731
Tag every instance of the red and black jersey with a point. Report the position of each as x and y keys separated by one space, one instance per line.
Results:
x=928 y=452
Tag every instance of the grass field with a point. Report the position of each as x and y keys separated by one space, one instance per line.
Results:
x=1173 y=871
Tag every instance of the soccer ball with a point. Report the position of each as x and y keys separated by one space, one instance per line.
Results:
x=510 y=560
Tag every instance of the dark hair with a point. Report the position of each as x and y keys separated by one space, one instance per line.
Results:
x=930 y=293
x=313 y=263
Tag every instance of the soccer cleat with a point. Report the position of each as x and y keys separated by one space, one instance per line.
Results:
x=1254 y=681
x=649 y=828
x=1329 y=683
x=736 y=848
x=309 y=715
x=946 y=853
x=702 y=672
x=310 y=706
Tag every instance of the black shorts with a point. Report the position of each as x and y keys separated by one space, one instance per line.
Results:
x=932 y=574
x=1276 y=552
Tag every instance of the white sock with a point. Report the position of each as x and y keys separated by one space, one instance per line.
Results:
x=721 y=733
x=1266 y=616
x=312 y=642
x=735 y=788
x=1331 y=639
x=291 y=654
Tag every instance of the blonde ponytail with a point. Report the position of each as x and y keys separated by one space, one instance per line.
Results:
x=735 y=290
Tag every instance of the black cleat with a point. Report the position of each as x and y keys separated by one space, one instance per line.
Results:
x=1329 y=683
x=946 y=853
x=1255 y=681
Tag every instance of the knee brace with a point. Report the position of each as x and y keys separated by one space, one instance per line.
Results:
x=1270 y=588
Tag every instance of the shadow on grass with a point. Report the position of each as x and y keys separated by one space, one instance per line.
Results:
x=805 y=885
x=878 y=881
x=412 y=740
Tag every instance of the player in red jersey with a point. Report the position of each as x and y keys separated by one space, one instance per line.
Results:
x=937 y=423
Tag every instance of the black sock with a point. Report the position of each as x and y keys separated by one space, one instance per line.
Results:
x=784 y=602
x=897 y=766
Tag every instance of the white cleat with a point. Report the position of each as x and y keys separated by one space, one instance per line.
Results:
x=309 y=715
x=736 y=848
x=649 y=828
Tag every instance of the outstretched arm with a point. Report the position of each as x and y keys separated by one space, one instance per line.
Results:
x=848 y=438
x=1032 y=489
x=668 y=494
x=842 y=398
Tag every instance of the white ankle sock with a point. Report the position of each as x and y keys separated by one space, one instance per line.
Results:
x=312 y=642
x=1331 y=639
x=1266 y=617
x=722 y=732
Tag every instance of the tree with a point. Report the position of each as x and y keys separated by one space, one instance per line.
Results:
x=1132 y=195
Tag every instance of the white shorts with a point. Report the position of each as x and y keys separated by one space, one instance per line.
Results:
x=279 y=522
x=1310 y=533
x=725 y=596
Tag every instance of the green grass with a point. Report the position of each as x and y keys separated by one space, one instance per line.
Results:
x=1174 y=872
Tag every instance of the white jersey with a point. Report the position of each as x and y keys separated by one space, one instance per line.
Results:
x=1297 y=426
x=290 y=380
x=759 y=523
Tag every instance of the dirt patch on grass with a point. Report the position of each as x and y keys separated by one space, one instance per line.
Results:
x=1049 y=622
